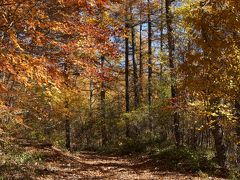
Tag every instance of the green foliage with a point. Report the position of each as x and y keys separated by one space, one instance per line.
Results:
x=26 y=157
x=144 y=144
x=184 y=159
x=14 y=154
x=234 y=173
x=17 y=162
x=130 y=146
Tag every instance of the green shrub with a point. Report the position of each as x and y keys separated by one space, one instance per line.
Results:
x=26 y=157
x=130 y=146
x=183 y=159
x=234 y=173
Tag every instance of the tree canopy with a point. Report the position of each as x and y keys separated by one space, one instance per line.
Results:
x=123 y=76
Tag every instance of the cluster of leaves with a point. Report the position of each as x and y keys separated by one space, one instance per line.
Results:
x=45 y=48
x=209 y=77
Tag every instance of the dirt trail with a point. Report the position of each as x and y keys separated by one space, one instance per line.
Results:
x=88 y=165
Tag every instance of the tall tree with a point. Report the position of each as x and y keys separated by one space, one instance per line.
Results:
x=140 y=53
x=135 y=73
x=213 y=78
x=149 y=22
x=127 y=100
x=103 y=105
x=67 y=120
x=169 y=17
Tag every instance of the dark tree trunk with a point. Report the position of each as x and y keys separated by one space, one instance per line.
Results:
x=135 y=76
x=176 y=121
x=140 y=59
x=67 y=134
x=208 y=139
x=127 y=72
x=193 y=137
x=90 y=99
x=103 y=110
x=218 y=135
x=67 y=130
x=90 y=123
x=149 y=55
x=161 y=40
x=220 y=144
x=67 y=121
x=149 y=21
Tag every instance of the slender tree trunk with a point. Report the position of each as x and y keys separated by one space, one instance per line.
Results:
x=135 y=76
x=161 y=40
x=67 y=130
x=127 y=106
x=103 y=109
x=90 y=99
x=193 y=137
x=90 y=123
x=68 y=134
x=202 y=139
x=127 y=72
x=149 y=55
x=208 y=138
x=140 y=59
x=149 y=20
x=176 y=121
x=67 y=121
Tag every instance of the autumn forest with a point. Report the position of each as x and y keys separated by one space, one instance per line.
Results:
x=119 y=89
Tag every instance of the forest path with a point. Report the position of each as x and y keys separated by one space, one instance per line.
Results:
x=87 y=165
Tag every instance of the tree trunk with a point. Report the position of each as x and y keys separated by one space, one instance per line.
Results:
x=149 y=55
x=67 y=121
x=90 y=123
x=220 y=144
x=135 y=76
x=149 y=21
x=67 y=130
x=140 y=59
x=67 y=134
x=193 y=138
x=90 y=99
x=176 y=121
x=161 y=40
x=218 y=134
x=127 y=73
x=103 y=109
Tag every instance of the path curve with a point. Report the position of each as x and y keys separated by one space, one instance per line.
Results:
x=88 y=165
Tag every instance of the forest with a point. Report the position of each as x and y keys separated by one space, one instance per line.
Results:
x=120 y=89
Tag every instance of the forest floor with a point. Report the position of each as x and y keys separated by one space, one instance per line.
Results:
x=58 y=164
